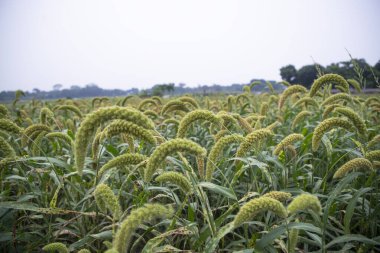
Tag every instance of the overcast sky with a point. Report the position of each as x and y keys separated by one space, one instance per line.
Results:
x=125 y=44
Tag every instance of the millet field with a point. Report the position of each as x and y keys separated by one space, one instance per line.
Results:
x=289 y=172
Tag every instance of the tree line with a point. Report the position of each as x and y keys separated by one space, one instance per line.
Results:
x=358 y=69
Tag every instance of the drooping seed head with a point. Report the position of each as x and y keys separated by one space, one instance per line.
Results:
x=45 y=114
x=106 y=199
x=71 y=108
x=264 y=108
x=326 y=79
x=174 y=105
x=243 y=123
x=4 y=112
x=336 y=98
x=278 y=195
x=306 y=101
x=299 y=118
x=147 y=213
x=10 y=127
x=257 y=205
x=6 y=149
x=159 y=155
x=56 y=247
x=353 y=165
x=228 y=121
x=356 y=120
x=31 y=132
x=329 y=109
x=272 y=126
x=125 y=127
x=93 y=120
x=288 y=140
x=304 y=202
x=326 y=126
x=192 y=117
x=60 y=135
x=177 y=179
x=121 y=161
x=252 y=139
x=355 y=84
x=288 y=92
x=84 y=251
x=189 y=100
x=375 y=140
x=147 y=102
x=373 y=155
x=217 y=150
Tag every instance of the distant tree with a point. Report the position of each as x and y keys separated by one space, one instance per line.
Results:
x=158 y=90
x=306 y=75
x=35 y=90
x=170 y=87
x=288 y=73
x=74 y=87
x=377 y=66
x=57 y=86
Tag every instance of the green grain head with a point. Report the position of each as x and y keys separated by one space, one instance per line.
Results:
x=288 y=140
x=157 y=159
x=125 y=127
x=353 y=165
x=326 y=126
x=217 y=149
x=336 y=99
x=278 y=195
x=122 y=161
x=253 y=139
x=175 y=178
x=288 y=92
x=106 y=199
x=326 y=79
x=147 y=213
x=8 y=126
x=299 y=118
x=93 y=120
x=56 y=247
x=356 y=120
x=257 y=205
x=193 y=116
x=304 y=202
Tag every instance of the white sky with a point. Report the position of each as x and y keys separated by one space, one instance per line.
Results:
x=125 y=44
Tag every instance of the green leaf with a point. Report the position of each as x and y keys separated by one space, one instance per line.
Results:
x=105 y=235
x=351 y=208
x=213 y=243
x=268 y=238
x=219 y=189
x=352 y=237
x=111 y=149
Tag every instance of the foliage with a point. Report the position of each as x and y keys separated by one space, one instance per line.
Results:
x=245 y=173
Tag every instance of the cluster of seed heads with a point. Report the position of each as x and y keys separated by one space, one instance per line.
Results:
x=92 y=122
x=157 y=159
x=326 y=79
x=326 y=126
x=122 y=161
x=194 y=116
x=147 y=213
x=106 y=199
x=258 y=205
x=288 y=140
x=175 y=178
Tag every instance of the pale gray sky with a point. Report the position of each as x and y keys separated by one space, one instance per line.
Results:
x=124 y=44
